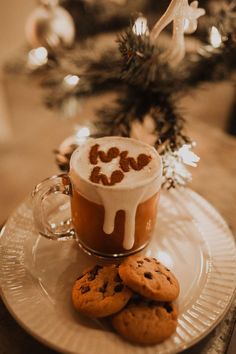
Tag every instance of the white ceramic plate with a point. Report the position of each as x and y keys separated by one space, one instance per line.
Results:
x=36 y=276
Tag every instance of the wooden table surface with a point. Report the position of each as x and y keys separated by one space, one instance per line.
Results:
x=27 y=158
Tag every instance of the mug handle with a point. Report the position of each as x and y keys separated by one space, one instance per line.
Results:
x=51 y=208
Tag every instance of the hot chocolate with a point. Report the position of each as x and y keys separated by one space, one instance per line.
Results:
x=115 y=191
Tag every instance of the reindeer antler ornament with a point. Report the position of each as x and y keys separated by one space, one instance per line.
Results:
x=184 y=17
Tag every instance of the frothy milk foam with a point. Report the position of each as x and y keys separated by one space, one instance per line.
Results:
x=135 y=187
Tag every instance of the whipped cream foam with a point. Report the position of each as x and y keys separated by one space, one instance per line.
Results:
x=136 y=187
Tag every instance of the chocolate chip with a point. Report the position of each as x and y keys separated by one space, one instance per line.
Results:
x=84 y=289
x=117 y=278
x=140 y=262
x=94 y=272
x=167 y=269
x=147 y=259
x=91 y=276
x=118 y=288
x=169 y=280
x=168 y=307
x=102 y=289
x=148 y=275
x=158 y=271
x=97 y=267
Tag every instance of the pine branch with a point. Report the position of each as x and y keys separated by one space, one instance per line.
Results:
x=142 y=66
x=214 y=65
x=134 y=105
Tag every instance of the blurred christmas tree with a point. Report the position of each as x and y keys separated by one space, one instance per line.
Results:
x=148 y=74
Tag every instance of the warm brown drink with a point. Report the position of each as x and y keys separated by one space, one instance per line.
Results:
x=115 y=192
x=88 y=218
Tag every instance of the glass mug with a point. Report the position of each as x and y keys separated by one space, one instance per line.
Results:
x=113 y=187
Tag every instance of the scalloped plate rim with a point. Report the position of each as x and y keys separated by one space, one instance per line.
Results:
x=182 y=346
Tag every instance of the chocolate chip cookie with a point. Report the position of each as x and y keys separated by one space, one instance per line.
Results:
x=100 y=292
x=146 y=321
x=150 y=278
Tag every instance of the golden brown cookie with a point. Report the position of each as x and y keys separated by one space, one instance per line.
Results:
x=146 y=321
x=100 y=292
x=150 y=278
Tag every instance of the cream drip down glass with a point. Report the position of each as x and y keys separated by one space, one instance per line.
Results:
x=114 y=188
